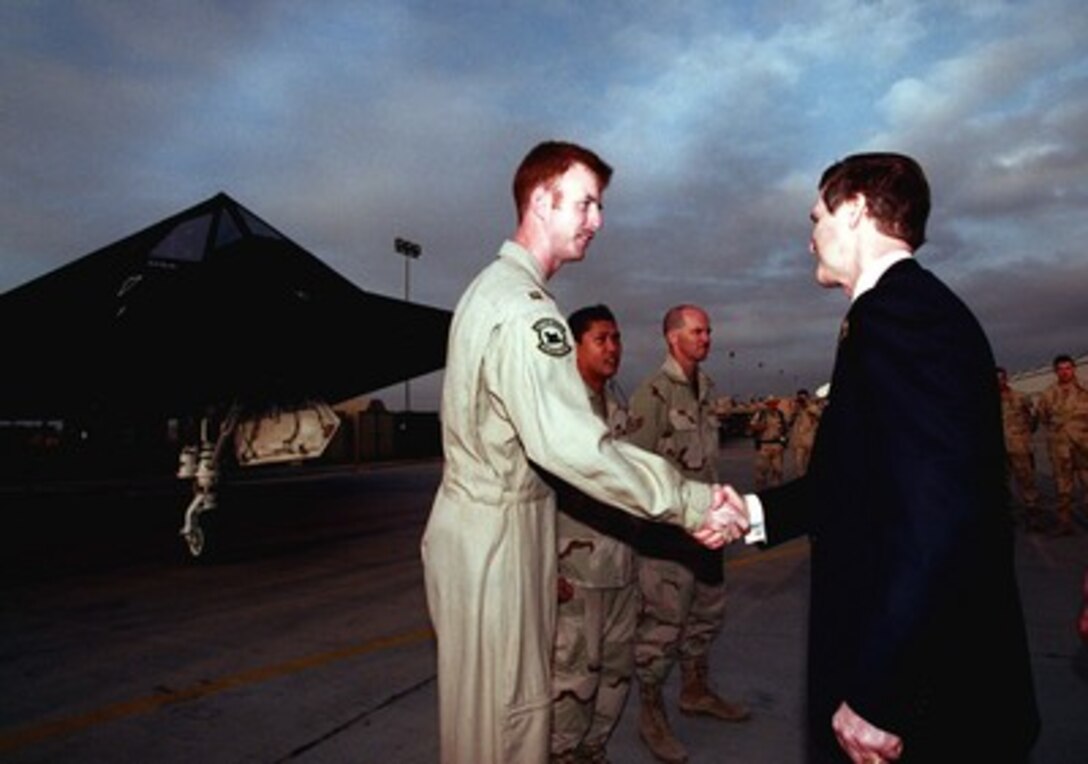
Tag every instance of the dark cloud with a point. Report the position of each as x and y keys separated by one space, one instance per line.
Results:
x=365 y=122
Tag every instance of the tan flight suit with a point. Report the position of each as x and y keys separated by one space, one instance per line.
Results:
x=803 y=434
x=1063 y=410
x=771 y=433
x=512 y=396
x=682 y=583
x=1019 y=422
x=591 y=667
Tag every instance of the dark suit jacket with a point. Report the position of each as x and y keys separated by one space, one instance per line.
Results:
x=915 y=616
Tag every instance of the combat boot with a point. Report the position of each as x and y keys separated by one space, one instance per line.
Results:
x=696 y=697
x=653 y=727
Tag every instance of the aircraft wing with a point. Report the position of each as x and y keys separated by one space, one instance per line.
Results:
x=209 y=306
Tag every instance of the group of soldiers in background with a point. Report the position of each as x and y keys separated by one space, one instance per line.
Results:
x=1062 y=410
x=778 y=425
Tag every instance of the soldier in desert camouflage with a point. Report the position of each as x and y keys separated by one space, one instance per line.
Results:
x=1063 y=410
x=598 y=600
x=1019 y=422
x=682 y=585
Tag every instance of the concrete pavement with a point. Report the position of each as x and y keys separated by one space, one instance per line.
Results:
x=309 y=641
x=759 y=659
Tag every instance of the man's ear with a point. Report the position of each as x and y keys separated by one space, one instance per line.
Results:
x=856 y=209
x=540 y=201
x=670 y=338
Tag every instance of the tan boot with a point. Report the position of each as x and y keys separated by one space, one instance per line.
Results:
x=696 y=697
x=653 y=727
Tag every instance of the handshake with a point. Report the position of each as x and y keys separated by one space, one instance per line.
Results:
x=726 y=520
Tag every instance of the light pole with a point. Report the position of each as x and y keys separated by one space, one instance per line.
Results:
x=411 y=251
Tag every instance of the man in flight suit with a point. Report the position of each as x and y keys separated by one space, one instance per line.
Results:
x=512 y=400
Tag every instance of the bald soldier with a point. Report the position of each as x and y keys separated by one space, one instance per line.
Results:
x=682 y=584
x=512 y=399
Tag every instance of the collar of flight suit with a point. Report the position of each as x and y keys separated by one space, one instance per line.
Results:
x=520 y=256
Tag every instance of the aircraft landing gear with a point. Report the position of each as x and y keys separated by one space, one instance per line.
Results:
x=191 y=532
x=202 y=467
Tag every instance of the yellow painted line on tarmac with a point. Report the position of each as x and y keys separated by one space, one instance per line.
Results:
x=38 y=732
x=20 y=737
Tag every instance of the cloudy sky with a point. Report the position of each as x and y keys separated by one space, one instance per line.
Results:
x=348 y=124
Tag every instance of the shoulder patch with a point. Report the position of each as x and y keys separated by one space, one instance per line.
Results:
x=551 y=337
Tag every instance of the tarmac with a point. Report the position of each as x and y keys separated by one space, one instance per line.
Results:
x=759 y=658
x=312 y=645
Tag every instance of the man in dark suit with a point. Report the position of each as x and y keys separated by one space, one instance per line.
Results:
x=917 y=646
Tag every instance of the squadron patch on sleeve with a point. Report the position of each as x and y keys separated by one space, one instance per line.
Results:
x=551 y=337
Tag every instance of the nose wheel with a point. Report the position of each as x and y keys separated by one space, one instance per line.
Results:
x=191 y=532
x=194 y=540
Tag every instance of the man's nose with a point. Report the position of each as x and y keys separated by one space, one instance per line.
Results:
x=596 y=218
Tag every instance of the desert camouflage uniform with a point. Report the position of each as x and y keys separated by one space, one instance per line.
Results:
x=803 y=433
x=771 y=433
x=682 y=583
x=591 y=668
x=1019 y=422
x=512 y=398
x=1063 y=409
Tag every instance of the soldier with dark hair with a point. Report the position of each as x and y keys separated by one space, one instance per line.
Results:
x=598 y=600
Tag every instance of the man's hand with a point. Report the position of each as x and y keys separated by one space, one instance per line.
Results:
x=726 y=520
x=864 y=743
